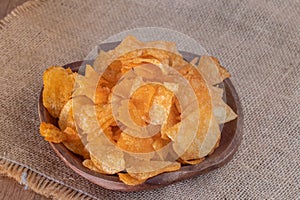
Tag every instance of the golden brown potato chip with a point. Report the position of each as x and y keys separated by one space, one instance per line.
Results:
x=104 y=115
x=103 y=152
x=222 y=112
x=191 y=162
x=92 y=86
x=66 y=118
x=208 y=142
x=211 y=70
x=135 y=144
x=127 y=86
x=136 y=62
x=129 y=44
x=112 y=166
x=89 y=164
x=74 y=144
x=112 y=73
x=129 y=180
x=140 y=103
x=161 y=105
x=51 y=133
x=161 y=146
x=58 y=87
x=142 y=170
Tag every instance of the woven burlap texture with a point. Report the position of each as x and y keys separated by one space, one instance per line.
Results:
x=257 y=41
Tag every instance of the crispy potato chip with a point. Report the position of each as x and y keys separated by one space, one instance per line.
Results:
x=84 y=113
x=66 y=118
x=222 y=112
x=92 y=86
x=113 y=73
x=108 y=166
x=58 y=87
x=89 y=164
x=160 y=145
x=206 y=143
x=105 y=156
x=51 y=133
x=146 y=71
x=129 y=44
x=129 y=180
x=71 y=134
x=191 y=162
x=173 y=118
x=142 y=170
x=161 y=105
x=136 y=62
x=135 y=144
x=104 y=115
x=140 y=103
x=102 y=61
x=74 y=144
x=127 y=85
x=211 y=70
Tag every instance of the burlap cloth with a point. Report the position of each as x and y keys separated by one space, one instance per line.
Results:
x=258 y=41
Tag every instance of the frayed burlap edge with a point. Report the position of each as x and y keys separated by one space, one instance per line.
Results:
x=19 y=10
x=39 y=183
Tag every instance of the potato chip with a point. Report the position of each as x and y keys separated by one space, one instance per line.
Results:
x=136 y=62
x=104 y=115
x=84 y=112
x=102 y=61
x=208 y=142
x=161 y=105
x=58 y=87
x=135 y=144
x=173 y=118
x=66 y=118
x=160 y=145
x=74 y=144
x=92 y=86
x=129 y=44
x=211 y=70
x=129 y=180
x=51 y=133
x=146 y=71
x=127 y=86
x=222 y=112
x=142 y=170
x=112 y=73
x=191 y=162
x=135 y=112
x=105 y=155
x=140 y=103
x=89 y=164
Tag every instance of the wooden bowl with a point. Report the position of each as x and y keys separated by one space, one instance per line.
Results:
x=230 y=140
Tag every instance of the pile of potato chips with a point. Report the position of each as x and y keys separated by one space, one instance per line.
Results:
x=140 y=111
